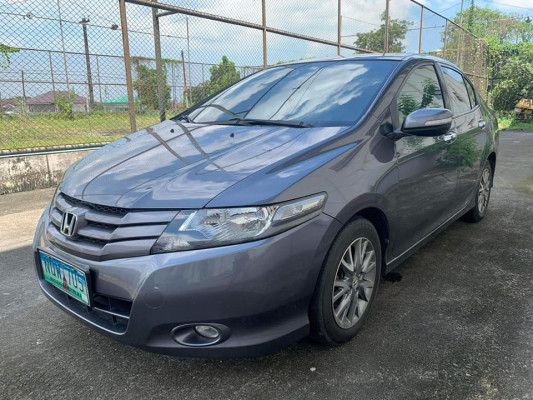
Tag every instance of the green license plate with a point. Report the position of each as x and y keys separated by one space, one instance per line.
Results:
x=64 y=276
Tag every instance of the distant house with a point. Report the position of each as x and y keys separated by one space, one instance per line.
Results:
x=119 y=103
x=46 y=102
x=10 y=106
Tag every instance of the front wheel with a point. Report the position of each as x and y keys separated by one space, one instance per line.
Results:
x=347 y=284
x=479 y=210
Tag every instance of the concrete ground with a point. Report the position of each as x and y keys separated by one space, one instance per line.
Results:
x=459 y=325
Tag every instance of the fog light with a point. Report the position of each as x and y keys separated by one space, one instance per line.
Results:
x=207 y=331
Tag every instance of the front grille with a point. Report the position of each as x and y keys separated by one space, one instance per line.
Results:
x=104 y=232
x=96 y=207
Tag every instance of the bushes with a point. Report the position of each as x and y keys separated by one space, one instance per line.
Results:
x=518 y=84
x=506 y=95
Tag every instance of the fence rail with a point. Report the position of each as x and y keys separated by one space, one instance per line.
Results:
x=77 y=73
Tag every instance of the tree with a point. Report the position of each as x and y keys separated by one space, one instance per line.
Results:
x=488 y=23
x=65 y=103
x=375 y=39
x=222 y=75
x=200 y=92
x=5 y=51
x=517 y=86
x=506 y=35
x=146 y=87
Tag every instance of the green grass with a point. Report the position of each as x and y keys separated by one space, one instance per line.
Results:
x=510 y=123
x=49 y=129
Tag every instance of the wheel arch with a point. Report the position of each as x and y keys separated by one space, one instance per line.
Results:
x=379 y=220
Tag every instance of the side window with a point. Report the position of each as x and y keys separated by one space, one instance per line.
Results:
x=420 y=90
x=471 y=94
x=460 y=100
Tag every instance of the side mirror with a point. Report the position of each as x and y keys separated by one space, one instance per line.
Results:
x=428 y=122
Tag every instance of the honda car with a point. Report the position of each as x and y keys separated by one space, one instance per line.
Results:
x=269 y=211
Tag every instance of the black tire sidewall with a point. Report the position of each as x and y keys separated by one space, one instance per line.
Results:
x=323 y=325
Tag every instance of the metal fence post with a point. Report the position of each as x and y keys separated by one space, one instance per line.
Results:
x=339 y=27
x=387 y=17
x=63 y=47
x=263 y=19
x=158 y=66
x=421 y=27
x=127 y=63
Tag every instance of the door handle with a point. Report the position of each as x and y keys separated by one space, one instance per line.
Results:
x=481 y=123
x=449 y=137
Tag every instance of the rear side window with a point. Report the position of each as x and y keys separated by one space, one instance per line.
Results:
x=420 y=90
x=471 y=94
x=460 y=100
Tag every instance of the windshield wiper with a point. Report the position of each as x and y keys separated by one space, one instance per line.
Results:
x=274 y=122
x=186 y=117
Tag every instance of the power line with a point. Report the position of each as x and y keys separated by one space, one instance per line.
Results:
x=30 y=15
x=510 y=5
x=358 y=20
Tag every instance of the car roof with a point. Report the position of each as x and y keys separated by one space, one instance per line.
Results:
x=377 y=56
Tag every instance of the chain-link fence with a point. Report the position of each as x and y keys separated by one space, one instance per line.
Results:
x=81 y=74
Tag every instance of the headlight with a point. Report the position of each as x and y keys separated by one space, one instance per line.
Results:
x=53 y=201
x=212 y=227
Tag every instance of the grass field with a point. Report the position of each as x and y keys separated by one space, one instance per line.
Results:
x=511 y=123
x=49 y=129
x=41 y=130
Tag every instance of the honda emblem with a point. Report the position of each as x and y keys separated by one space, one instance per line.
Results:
x=68 y=225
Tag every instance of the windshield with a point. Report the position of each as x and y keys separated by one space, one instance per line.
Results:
x=319 y=94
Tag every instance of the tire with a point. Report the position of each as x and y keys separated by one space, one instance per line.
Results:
x=326 y=313
x=482 y=195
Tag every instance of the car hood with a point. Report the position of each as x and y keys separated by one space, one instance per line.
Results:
x=180 y=165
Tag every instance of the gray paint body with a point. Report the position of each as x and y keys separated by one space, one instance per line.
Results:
x=262 y=289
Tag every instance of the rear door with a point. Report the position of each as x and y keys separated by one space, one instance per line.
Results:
x=470 y=127
x=427 y=169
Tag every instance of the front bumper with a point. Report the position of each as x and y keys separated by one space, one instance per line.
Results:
x=260 y=290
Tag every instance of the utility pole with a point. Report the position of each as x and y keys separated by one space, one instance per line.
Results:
x=159 y=66
x=185 y=93
x=339 y=27
x=387 y=18
x=458 y=55
x=188 y=56
x=470 y=22
x=127 y=63
x=83 y=23
x=263 y=22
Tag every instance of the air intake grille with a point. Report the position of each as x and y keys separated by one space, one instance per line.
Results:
x=103 y=232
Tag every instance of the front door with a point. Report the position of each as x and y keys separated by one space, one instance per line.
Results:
x=427 y=168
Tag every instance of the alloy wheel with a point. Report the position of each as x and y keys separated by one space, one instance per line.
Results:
x=354 y=282
x=483 y=191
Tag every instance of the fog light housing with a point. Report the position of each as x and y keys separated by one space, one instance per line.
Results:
x=207 y=331
x=199 y=335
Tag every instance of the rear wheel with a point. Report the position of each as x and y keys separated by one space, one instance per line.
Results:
x=479 y=210
x=347 y=285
